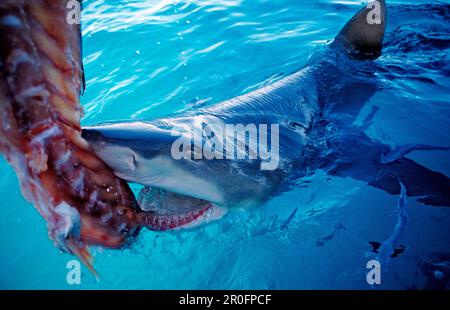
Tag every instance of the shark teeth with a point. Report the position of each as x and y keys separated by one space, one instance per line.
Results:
x=159 y=222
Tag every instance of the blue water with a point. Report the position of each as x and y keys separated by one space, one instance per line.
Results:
x=146 y=59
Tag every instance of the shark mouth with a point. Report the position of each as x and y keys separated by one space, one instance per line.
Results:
x=165 y=210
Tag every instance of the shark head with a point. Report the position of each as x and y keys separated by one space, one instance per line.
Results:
x=143 y=153
x=177 y=193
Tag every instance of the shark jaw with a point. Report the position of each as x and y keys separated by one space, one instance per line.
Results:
x=172 y=211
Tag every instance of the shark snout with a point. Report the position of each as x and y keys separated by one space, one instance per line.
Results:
x=91 y=135
x=135 y=153
x=94 y=137
x=115 y=152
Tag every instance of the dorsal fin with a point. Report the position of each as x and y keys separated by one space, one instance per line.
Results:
x=363 y=34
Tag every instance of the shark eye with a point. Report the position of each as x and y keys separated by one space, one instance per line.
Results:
x=133 y=159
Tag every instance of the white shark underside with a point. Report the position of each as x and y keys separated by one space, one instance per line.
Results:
x=314 y=108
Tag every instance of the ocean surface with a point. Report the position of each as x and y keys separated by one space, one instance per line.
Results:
x=148 y=59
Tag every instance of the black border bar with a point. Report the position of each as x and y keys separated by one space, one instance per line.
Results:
x=173 y=298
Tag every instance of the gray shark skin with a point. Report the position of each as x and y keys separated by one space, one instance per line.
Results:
x=314 y=107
